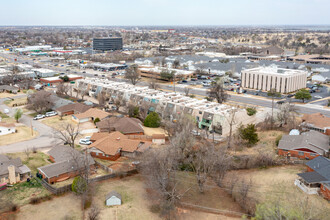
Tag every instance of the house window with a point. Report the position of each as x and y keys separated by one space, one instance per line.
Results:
x=300 y=153
x=313 y=154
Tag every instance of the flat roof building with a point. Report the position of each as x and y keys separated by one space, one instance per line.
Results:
x=108 y=43
x=272 y=77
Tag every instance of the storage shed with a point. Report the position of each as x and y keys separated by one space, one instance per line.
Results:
x=113 y=198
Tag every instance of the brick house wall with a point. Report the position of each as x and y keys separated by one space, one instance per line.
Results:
x=325 y=191
x=105 y=156
x=295 y=153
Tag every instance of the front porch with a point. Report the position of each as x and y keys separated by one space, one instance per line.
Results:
x=306 y=187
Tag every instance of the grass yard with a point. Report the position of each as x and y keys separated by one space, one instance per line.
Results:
x=151 y=131
x=6 y=95
x=56 y=122
x=213 y=196
x=20 y=194
x=23 y=133
x=18 y=101
x=278 y=183
x=135 y=204
x=34 y=160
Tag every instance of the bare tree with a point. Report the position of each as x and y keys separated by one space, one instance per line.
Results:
x=40 y=101
x=132 y=74
x=62 y=89
x=217 y=91
x=286 y=113
x=153 y=84
x=204 y=163
x=231 y=119
x=186 y=91
x=83 y=92
x=27 y=152
x=68 y=133
x=273 y=94
x=102 y=98
x=94 y=213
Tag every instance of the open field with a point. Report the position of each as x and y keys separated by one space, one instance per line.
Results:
x=23 y=133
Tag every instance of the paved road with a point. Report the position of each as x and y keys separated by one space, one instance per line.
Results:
x=45 y=138
x=245 y=99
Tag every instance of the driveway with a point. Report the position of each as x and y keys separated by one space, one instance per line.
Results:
x=46 y=137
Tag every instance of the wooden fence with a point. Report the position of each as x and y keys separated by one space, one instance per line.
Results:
x=67 y=188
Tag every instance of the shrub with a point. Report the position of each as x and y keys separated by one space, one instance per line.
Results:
x=278 y=140
x=152 y=120
x=249 y=134
x=79 y=185
x=251 y=111
x=14 y=208
x=96 y=120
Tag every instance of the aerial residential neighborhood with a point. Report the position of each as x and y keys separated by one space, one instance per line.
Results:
x=165 y=110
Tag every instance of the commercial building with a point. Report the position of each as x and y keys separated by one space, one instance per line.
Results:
x=272 y=77
x=108 y=43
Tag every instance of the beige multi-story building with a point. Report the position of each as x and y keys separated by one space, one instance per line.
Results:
x=272 y=77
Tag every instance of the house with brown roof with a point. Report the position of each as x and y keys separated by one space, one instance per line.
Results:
x=75 y=108
x=125 y=125
x=67 y=163
x=7 y=128
x=111 y=146
x=308 y=145
x=90 y=115
x=317 y=122
x=12 y=170
x=158 y=139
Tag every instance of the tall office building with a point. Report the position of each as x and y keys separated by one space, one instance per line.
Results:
x=280 y=79
x=108 y=43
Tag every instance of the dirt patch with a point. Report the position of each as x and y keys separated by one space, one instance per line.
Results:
x=23 y=134
x=56 y=122
x=151 y=131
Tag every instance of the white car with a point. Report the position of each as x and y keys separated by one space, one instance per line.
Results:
x=85 y=142
x=39 y=117
x=52 y=113
x=318 y=97
x=6 y=110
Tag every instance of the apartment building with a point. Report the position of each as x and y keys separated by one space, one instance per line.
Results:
x=272 y=77
x=169 y=105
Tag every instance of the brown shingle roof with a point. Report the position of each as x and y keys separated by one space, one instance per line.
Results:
x=93 y=112
x=76 y=107
x=114 y=142
x=317 y=120
x=124 y=125
x=158 y=136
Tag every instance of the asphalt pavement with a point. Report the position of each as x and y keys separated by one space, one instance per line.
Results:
x=46 y=135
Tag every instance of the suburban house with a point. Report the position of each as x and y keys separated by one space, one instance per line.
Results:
x=110 y=146
x=317 y=178
x=158 y=139
x=12 y=170
x=7 y=128
x=90 y=115
x=307 y=145
x=7 y=88
x=67 y=162
x=113 y=198
x=128 y=126
x=316 y=122
x=75 y=108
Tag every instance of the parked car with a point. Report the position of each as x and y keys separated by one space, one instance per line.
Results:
x=193 y=79
x=194 y=132
x=291 y=95
x=280 y=102
x=85 y=142
x=84 y=71
x=311 y=91
x=6 y=111
x=103 y=75
x=95 y=75
x=184 y=81
x=113 y=108
x=318 y=97
x=49 y=114
x=39 y=117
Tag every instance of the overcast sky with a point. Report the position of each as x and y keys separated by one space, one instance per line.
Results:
x=164 y=12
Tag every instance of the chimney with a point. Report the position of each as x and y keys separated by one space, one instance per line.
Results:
x=11 y=176
x=118 y=138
